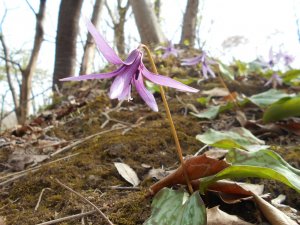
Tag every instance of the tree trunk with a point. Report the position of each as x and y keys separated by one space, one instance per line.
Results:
x=29 y=71
x=147 y=22
x=89 y=48
x=188 y=34
x=65 y=49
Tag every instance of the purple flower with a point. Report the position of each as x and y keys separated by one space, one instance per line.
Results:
x=287 y=59
x=205 y=63
x=130 y=72
x=169 y=50
x=275 y=80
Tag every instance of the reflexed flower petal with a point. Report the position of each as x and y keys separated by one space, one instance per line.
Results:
x=95 y=76
x=132 y=56
x=119 y=85
x=166 y=81
x=102 y=45
x=211 y=72
x=126 y=93
x=146 y=95
x=191 y=61
x=122 y=81
x=204 y=71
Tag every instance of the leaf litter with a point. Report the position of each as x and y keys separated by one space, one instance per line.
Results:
x=92 y=170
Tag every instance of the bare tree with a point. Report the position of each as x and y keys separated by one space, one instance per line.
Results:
x=22 y=106
x=189 y=24
x=65 y=49
x=89 y=48
x=118 y=25
x=147 y=22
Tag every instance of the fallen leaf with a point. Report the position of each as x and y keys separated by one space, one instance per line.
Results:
x=157 y=174
x=127 y=173
x=289 y=211
x=273 y=215
x=18 y=162
x=196 y=167
x=216 y=92
x=215 y=216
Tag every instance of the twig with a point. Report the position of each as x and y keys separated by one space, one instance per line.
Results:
x=123 y=188
x=68 y=218
x=85 y=199
x=201 y=150
x=40 y=198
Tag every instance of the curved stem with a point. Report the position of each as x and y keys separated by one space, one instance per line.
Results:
x=173 y=130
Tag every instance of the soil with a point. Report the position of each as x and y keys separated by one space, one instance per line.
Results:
x=136 y=136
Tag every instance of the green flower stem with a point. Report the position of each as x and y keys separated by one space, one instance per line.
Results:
x=173 y=130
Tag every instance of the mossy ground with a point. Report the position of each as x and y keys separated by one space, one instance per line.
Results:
x=92 y=172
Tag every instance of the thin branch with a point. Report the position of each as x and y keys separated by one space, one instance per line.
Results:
x=86 y=200
x=30 y=6
x=40 y=198
x=76 y=216
x=12 y=62
x=113 y=19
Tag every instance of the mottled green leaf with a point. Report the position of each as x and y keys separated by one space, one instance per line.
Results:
x=225 y=70
x=284 y=108
x=237 y=137
x=211 y=112
x=262 y=164
x=208 y=113
x=265 y=99
x=177 y=208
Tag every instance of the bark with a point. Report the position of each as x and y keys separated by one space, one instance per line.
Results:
x=147 y=22
x=188 y=33
x=65 y=49
x=118 y=25
x=89 y=48
x=30 y=68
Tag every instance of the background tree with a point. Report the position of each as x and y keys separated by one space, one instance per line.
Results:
x=119 y=24
x=189 y=23
x=22 y=104
x=147 y=22
x=65 y=49
x=89 y=47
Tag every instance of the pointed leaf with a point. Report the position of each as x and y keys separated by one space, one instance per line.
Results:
x=127 y=173
x=267 y=98
x=177 y=208
x=238 y=137
x=263 y=164
x=215 y=216
x=282 y=109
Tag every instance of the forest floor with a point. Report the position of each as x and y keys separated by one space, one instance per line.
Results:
x=77 y=141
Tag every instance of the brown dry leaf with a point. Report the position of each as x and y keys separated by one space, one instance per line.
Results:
x=18 y=162
x=291 y=126
x=127 y=173
x=274 y=215
x=157 y=174
x=289 y=211
x=216 y=153
x=216 y=92
x=233 y=192
x=196 y=166
x=215 y=216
